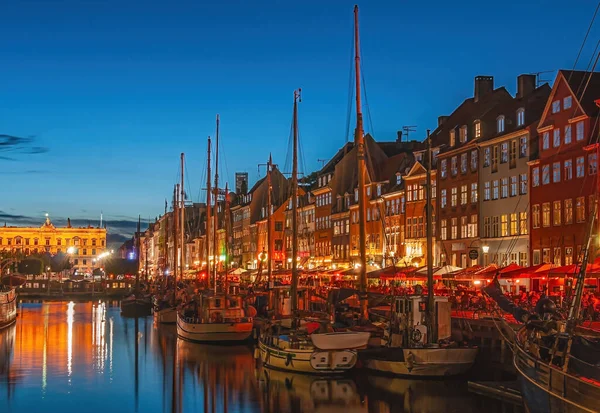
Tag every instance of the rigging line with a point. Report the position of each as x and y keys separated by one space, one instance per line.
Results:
x=350 y=88
x=585 y=38
x=362 y=75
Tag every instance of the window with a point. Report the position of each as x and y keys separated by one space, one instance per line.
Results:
x=463 y=133
x=567 y=134
x=580 y=167
x=521 y=117
x=557 y=213
x=369 y=191
x=523 y=146
x=463 y=163
x=536 y=257
x=443 y=198
x=567 y=102
x=546 y=214
x=454 y=229
x=523 y=184
x=514 y=224
x=398 y=179
x=477 y=125
x=556 y=138
x=473 y=226
x=495 y=159
x=444 y=229
x=579 y=130
x=556 y=106
x=368 y=214
x=474 y=192
x=523 y=223
x=568 y=211
x=278 y=225
x=495 y=190
x=409 y=193
x=504 y=226
x=592 y=163
x=454 y=197
x=433 y=190
x=513 y=185
x=557 y=255
x=556 y=172
x=568 y=255
x=546 y=255
x=486 y=227
x=580 y=209
x=486 y=157
x=545 y=174
x=568 y=169
x=535 y=172
x=546 y=140
x=463 y=227
x=535 y=215
x=463 y=195
x=512 y=156
x=504 y=188
x=453 y=167
x=500 y=124
x=486 y=191
x=452 y=137
x=523 y=259
x=504 y=152
x=443 y=164
x=378 y=189
x=473 y=160
x=356 y=195
x=495 y=224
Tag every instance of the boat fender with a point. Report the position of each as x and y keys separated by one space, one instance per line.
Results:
x=416 y=336
x=410 y=361
x=288 y=359
x=256 y=353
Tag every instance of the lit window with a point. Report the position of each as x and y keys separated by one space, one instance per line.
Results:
x=523 y=223
x=514 y=228
x=546 y=214
x=474 y=192
x=500 y=124
x=477 y=129
x=463 y=133
x=452 y=137
x=557 y=213
x=567 y=102
x=535 y=214
x=580 y=209
x=521 y=117
x=463 y=195
x=556 y=106
x=454 y=197
x=568 y=211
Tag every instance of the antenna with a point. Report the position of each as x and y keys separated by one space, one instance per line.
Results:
x=408 y=129
x=322 y=162
x=538 y=78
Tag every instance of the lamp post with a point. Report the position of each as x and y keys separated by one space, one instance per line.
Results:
x=473 y=253
x=97 y=260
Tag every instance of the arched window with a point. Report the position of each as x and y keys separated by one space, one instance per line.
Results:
x=500 y=124
x=521 y=117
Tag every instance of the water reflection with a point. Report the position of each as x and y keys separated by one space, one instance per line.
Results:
x=74 y=356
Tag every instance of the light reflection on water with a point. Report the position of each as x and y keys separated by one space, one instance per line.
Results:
x=84 y=357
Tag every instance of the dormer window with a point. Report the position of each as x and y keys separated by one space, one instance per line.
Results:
x=463 y=134
x=500 y=124
x=521 y=117
x=477 y=125
x=452 y=137
x=378 y=189
x=398 y=179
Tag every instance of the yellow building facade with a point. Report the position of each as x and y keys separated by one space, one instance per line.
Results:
x=87 y=242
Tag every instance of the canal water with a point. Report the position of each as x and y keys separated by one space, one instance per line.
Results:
x=84 y=357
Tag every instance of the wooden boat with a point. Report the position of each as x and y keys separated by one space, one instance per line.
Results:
x=340 y=340
x=8 y=306
x=218 y=318
x=136 y=307
x=167 y=315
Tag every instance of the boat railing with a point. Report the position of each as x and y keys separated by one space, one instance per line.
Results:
x=225 y=320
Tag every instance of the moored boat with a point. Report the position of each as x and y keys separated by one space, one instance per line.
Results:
x=8 y=306
x=136 y=307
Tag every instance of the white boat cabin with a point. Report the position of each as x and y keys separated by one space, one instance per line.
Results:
x=221 y=309
x=413 y=311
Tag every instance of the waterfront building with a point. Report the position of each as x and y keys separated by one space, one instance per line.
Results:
x=564 y=183
x=82 y=244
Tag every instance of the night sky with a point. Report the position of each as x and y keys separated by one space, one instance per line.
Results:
x=109 y=92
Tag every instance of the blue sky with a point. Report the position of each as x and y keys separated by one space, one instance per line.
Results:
x=116 y=89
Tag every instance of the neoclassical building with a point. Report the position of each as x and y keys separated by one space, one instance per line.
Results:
x=87 y=242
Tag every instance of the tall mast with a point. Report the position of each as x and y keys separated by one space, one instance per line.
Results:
x=432 y=336
x=208 y=222
x=137 y=255
x=269 y=229
x=359 y=141
x=216 y=210
x=175 y=234
x=182 y=203
x=294 y=290
x=227 y=229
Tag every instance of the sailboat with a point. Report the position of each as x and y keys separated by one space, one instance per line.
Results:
x=136 y=305
x=295 y=349
x=215 y=316
x=166 y=312
x=557 y=360
x=420 y=326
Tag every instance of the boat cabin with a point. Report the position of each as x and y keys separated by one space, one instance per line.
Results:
x=222 y=309
x=413 y=311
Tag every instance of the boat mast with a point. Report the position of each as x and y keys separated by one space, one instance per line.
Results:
x=137 y=255
x=227 y=229
x=182 y=203
x=175 y=236
x=208 y=219
x=269 y=235
x=216 y=206
x=294 y=289
x=432 y=336
x=359 y=141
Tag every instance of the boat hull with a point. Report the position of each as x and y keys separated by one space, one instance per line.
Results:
x=548 y=389
x=213 y=332
x=340 y=340
x=420 y=362
x=319 y=362
x=136 y=308
x=166 y=315
x=8 y=308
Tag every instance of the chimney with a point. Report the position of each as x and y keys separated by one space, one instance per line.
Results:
x=525 y=85
x=441 y=119
x=483 y=86
x=399 y=136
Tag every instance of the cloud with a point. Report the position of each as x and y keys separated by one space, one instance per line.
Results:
x=19 y=145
